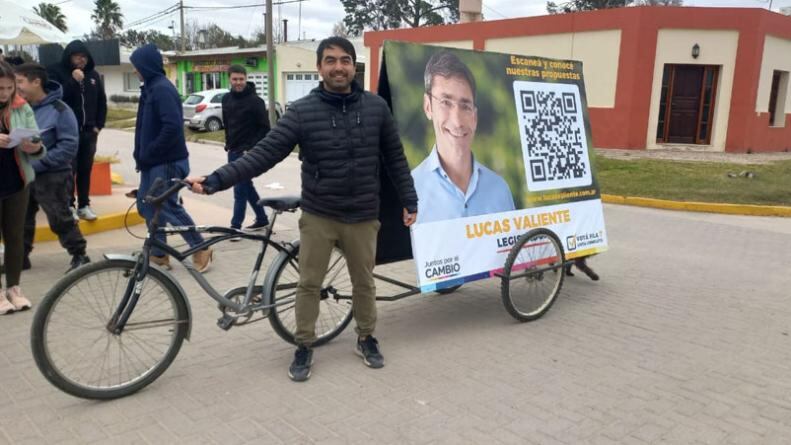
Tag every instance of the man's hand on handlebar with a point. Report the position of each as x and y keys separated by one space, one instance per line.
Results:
x=196 y=184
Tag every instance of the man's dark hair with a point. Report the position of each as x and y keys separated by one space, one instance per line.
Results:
x=238 y=69
x=446 y=64
x=338 y=42
x=15 y=60
x=33 y=71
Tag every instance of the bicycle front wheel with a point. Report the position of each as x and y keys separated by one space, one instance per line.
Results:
x=533 y=275
x=76 y=351
x=335 y=307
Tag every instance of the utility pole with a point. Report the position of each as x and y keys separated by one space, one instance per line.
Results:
x=299 y=25
x=183 y=34
x=270 y=64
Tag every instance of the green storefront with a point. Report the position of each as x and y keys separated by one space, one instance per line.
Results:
x=208 y=69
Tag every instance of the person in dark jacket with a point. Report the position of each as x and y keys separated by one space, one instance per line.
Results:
x=160 y=150
x=342 y=132
x=83 y=91
x=246 y=122
x=51 y=189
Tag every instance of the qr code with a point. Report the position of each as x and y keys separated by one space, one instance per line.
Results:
x=552 y=128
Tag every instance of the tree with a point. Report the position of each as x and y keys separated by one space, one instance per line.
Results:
x=388 y=14
x=52 y=14
x=421 y=12
x=661 y=3
x=258 y=37
x=133 y=39
x=108 y=18
x=375 y=15
x=215 y=37
x=339 y=30
x=585 y=5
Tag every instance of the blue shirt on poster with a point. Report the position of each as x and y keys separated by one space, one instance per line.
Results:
x=441 y=199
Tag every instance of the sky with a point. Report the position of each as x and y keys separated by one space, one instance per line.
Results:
x=317 y=16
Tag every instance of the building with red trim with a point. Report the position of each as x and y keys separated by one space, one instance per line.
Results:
x=714 y=79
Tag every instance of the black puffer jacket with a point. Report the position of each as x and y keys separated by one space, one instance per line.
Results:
x=87 y=98
x=341 y=140
x=245 y=119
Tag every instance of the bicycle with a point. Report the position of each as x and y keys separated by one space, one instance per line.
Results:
x=138 y=315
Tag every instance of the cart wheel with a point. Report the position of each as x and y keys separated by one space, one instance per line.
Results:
x=335 y=307
x=448 y=290
x=533 y=274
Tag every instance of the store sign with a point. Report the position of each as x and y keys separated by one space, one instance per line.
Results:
x=212 y=66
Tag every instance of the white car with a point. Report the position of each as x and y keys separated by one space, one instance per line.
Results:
x=203 y=110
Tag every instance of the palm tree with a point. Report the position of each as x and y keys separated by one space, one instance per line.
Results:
x=52 y=14
x=108 y=18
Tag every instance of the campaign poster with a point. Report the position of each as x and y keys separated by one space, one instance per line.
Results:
x=497 y=144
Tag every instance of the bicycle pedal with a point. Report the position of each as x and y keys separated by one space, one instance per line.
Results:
x=226 y=322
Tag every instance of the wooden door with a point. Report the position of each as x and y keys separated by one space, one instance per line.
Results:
x=685 y=104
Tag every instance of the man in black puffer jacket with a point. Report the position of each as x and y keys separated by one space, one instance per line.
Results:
x=342 y=132
x=246 y=122
x=83 y=92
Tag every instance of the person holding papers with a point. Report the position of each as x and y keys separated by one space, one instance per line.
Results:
x=16 y=172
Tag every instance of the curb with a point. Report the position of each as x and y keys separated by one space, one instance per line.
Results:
x=209 y=142
x=104 y=223
x=706 y=207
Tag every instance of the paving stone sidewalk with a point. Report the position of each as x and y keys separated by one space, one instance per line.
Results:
x=685 y=340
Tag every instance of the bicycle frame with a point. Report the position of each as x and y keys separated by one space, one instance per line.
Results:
x=135 y=286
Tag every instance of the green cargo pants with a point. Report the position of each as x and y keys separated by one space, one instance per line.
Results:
x=318 y=236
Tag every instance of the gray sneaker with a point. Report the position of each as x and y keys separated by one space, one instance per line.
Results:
x=74 y=214
x=299 y=371
x=86 y=213
x=368 y=349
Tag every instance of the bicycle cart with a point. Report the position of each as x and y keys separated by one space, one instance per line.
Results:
x=110 y=328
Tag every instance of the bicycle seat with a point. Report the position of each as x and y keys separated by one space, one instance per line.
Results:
x=282 y=203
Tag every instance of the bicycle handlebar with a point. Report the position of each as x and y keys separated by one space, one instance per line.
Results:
x=157 y=200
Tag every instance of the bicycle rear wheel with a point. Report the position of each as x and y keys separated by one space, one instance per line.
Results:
x=533 y=275
x=78 y=354
x=335 y=307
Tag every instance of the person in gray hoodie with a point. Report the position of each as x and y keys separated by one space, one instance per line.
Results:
x=51 y=190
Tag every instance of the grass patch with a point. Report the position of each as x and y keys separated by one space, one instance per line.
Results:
x=120 y=118
x=117 y=114
x=121 y=123
x=195 y=136
x=696 y=181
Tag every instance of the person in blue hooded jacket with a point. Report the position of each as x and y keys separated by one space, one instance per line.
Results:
x=161 y=151
x=59 y=133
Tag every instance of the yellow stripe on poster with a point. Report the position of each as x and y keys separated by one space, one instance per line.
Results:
x=584 y=252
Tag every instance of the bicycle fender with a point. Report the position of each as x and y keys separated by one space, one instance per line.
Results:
x=168 y=276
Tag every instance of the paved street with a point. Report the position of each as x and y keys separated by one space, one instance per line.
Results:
x=684 y=340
